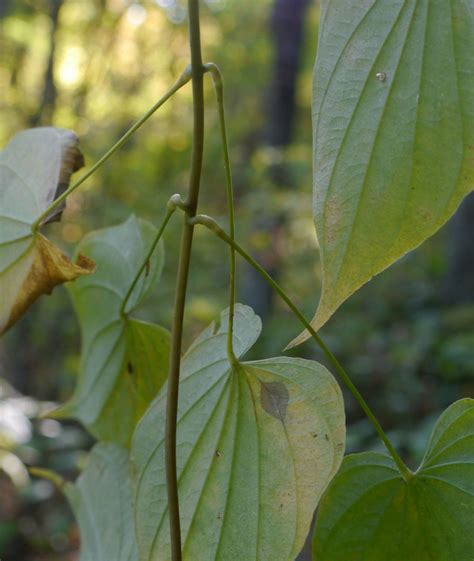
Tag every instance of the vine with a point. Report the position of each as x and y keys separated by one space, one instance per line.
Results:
x=197 y=73
x=274 y=410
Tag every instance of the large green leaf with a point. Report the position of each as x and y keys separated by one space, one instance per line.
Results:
x=393 y=121
x=34 y=168
x=102 y=503
x=124 y=362
x=371 y=513
x=257 y=444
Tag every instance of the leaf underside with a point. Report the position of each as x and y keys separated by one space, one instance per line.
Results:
x=370 y=513
x=393 y=125
x=124 y=362
x=101 y=501
x=34 y=167
x=257 y=444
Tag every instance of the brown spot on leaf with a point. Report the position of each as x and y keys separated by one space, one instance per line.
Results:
x=274 y=397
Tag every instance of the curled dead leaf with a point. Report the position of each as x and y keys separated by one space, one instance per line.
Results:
x=38 y=272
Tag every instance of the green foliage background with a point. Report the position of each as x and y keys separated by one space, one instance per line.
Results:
x=408 y=350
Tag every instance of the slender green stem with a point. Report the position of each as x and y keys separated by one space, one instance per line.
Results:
x=56 y=479
x=197 y=72
x=146 y=262
x=182 y=80
x=219 y=87
x=212 y=225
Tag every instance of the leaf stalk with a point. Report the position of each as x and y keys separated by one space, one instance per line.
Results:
x=219 y=89
x=123 y=309
x=212 y=225
x=182 y=80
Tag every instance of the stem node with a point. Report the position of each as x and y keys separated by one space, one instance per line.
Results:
x=207 y=221
x=177 y=201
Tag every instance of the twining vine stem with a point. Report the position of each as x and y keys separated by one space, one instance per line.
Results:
x=197 y=74
x=181 y=81
x=212 y=225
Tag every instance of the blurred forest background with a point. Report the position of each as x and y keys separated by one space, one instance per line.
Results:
x=95 y=66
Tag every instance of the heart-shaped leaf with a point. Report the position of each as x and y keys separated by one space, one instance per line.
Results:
x=393 y=122
x=371 y=513
x=34 y=168
x=124 y=362
x=257 y=445
x=101 y=501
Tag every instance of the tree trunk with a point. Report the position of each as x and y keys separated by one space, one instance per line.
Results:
x=45 y=112
x=287 y=27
